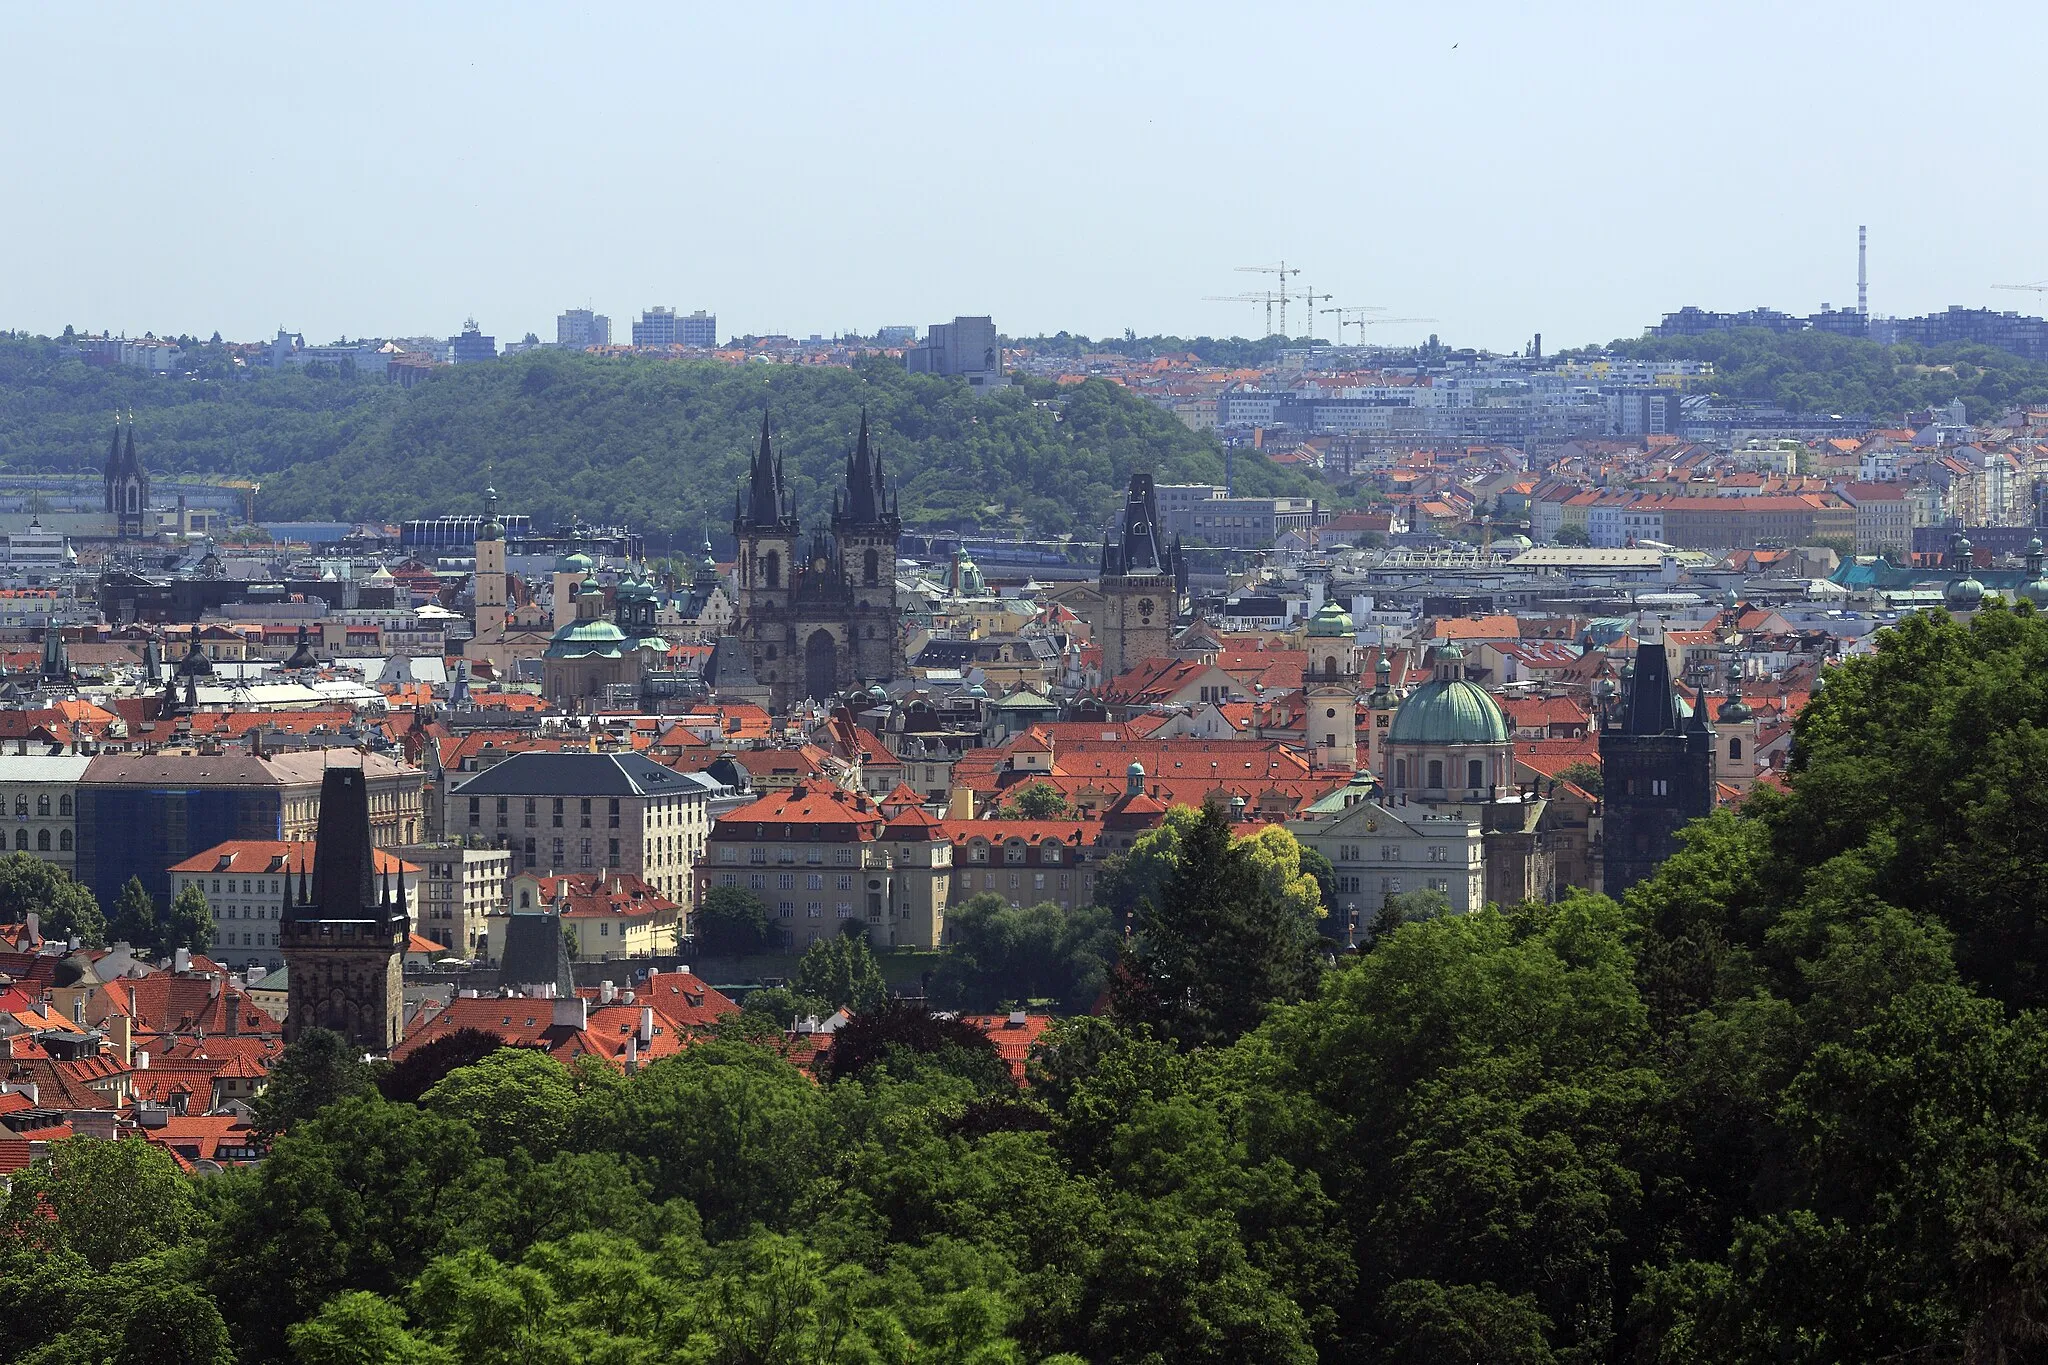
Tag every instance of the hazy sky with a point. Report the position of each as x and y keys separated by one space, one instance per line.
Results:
x=1503 y=169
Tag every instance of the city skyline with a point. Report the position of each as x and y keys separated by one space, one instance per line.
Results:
x=1501 y=173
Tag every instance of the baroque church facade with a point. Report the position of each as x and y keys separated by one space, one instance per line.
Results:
x=817 y=614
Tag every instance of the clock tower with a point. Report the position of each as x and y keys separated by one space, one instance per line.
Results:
x=1140 y=592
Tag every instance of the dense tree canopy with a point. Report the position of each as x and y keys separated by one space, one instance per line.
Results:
x=1822 y=372
x=1785 y=1103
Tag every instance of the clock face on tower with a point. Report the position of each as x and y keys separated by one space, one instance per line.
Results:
x=1144 y=606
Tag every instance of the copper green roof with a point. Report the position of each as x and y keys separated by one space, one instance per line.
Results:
x=1449 y=712
x=585 y=639
x=1330 y=623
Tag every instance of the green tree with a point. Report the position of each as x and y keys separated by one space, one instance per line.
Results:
x=842 y=972
x=1586 y=776
x=173 y=1324
x=28 y=885
x=1126 y=880
x=361 y=1329
x=1576 y=537
x=359 y=1198
x=188 y=924
x=108 y=1202
x=135 y=920
x=730 y=1127
x=318 y=1069
x=1231 y=933
x=879 y=1036
x=512 y=1099
x=733 y=921
x=1037 y=801
x=999 y=953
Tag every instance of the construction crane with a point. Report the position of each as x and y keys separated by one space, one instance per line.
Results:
x=1310 y=296
x=1267 y=298
x=1356 y=317
x=1353 y=317
x=1280 y=295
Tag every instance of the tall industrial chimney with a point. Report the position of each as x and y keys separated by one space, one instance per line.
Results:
x=1862 y=275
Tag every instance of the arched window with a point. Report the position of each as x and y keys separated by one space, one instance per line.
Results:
x=771 y=569
x=870 y=567
x=1475 y=773
x=21 y=840
x=43 y=803
x=21 y=805
x=1330 y=667
x=64 y=804
x=42 y=841
x=1436 y=772
x=64 y=840
x=1400 y=772
x=1735 y=748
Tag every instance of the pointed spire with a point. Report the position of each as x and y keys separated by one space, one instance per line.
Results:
x=763 y=500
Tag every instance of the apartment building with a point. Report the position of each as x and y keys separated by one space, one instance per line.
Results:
x=460 y=887
x=580 y=812
x=820 y=855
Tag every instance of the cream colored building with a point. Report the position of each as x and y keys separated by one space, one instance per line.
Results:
x=588 y=812
x=460 y=887
x=38 y=798
x=820 y=855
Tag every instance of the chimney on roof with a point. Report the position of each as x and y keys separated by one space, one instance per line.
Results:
x=632 y=1054
x=572 y=1012
x=181 y=960
x=121 y=1035
x=646 y=1024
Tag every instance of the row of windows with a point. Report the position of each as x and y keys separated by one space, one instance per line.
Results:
x=42 y=840
x=813 y=855
x=1015 y=851
x=42 y=805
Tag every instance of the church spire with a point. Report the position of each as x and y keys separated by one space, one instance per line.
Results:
x=860 y=478
x=765 y=493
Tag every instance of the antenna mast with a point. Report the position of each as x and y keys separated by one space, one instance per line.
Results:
x=1862 y=276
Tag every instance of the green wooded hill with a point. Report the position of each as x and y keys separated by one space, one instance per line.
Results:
x=1821 y=372
x=660 y=445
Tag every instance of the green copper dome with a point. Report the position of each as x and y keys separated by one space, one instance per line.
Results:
x=582 y=639
x=1449 y=711
x=1332 y=622
x=573 y=563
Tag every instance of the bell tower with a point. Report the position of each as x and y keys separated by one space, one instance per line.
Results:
x=1139 y=592
x=1331 y=685
x=490 y=585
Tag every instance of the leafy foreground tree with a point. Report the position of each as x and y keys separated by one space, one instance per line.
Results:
x=1002 y=954
x=1777 y=1106
x=1233 y=931
x=29 y=885
x=318 y=1069
x=734 y=921
x=842 y=971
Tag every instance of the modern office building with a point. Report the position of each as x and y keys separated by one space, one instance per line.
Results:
x=579 y=327
x=660 y=326
x=472 y=345
x=965 y=348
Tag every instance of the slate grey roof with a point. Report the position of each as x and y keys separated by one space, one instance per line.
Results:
x=535 y=953
x=537 y=773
